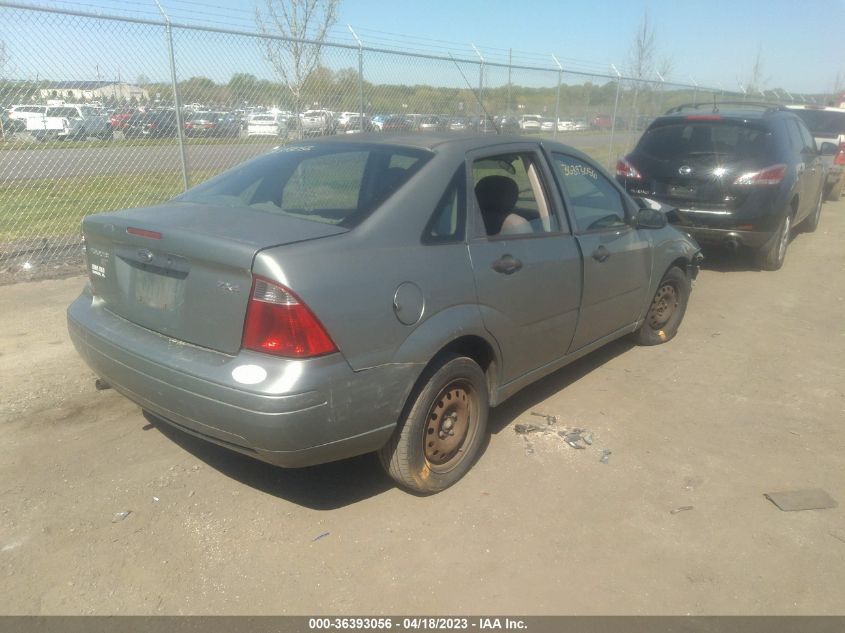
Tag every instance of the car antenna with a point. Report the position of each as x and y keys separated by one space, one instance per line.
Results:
x=474 y=94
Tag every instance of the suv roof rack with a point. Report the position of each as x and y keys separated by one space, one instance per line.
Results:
x=715 y=105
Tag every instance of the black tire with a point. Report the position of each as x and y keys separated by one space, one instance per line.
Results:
x=441 y=428
x=773 y=253
x=812 y=222
x=666 y=310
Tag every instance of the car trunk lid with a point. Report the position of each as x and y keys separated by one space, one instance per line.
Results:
x=184 y=270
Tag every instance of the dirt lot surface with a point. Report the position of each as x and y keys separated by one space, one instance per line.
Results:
x=748 y=399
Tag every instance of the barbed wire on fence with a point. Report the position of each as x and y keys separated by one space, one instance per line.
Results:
x=109 y=111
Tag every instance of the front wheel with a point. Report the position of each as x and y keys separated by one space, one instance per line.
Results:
x=441 y=429
x=667 y=309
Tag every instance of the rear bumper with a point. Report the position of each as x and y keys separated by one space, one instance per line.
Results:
x=302 y=413
x=726 y=237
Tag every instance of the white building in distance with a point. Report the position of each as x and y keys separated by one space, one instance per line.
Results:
x=92 y=91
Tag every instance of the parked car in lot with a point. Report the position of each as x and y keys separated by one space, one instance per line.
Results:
x=739 y=174
x=69 y=122
x=11 y=126
x=151 y=124
x=24 y=112
x=353 y=124
x=317 y=123
x=397 y=123
x=369 y=293
x=547 y=124
x=219 y=124
x=457 y=124
x=508 y=124
x=601 y=122
x=431 y=123
x=827 y=125
x=377 y=121
x=265 y=124
x=530 y=122
x=119 y=117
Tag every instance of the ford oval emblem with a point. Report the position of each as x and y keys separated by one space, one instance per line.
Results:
x=145 y=256
x=685 y=170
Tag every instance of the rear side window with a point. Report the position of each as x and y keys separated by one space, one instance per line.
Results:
x=679 y=140
x=448 y=221
x=330 y=184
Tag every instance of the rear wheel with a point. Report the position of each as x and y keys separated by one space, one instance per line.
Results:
x=773 y=253
x=667 y=309
x=442 y=428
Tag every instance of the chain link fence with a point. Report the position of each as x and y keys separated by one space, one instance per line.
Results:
x=108 y=113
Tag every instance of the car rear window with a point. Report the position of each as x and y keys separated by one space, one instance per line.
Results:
x=823 y=122
x=62 y=112
x=327 y=183
x=674 y=141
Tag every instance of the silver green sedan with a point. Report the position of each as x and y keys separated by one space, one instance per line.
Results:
x=350 y=295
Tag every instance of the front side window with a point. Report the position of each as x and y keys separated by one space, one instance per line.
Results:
x=510 y=195
x=596 y=203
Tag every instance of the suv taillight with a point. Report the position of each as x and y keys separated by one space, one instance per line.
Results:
x=279 y=323
x=766 y=176
x=624 y=169
x=840 y=157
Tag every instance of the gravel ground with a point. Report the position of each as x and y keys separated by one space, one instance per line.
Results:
x=748 y=399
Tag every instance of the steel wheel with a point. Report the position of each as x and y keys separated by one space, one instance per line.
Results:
x=451 y=422
x=663 y=305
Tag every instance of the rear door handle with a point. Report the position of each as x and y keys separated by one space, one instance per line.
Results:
x=506 y=264
x=601 y=254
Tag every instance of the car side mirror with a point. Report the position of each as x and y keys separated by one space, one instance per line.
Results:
x=650 y=219
x=829 y=149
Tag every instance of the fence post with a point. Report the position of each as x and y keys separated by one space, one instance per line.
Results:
x=360 y=78
x=557 y=98
x=480 y=86
x=177 y=102
x=615 y=110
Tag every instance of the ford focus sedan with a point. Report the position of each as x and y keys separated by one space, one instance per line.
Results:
x=376 y=293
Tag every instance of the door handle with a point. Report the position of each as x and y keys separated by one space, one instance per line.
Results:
x=601 y=254
x=506 y=264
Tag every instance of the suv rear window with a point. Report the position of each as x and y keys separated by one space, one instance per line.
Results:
x=674 y=141
x=330 y=184
x=68 y=113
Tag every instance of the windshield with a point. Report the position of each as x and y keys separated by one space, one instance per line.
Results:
x=705 y=138
x=823 y=122
x=330 y=184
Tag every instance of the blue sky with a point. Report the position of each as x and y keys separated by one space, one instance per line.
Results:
x=713 y=43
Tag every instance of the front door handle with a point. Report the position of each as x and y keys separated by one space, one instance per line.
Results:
x=506 y=264
x=601 y=254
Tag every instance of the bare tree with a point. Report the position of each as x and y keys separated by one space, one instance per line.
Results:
x=295 y=31
x=757 y=80
x=641 y=62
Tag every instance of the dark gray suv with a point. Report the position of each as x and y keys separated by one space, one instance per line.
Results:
x=739 y=174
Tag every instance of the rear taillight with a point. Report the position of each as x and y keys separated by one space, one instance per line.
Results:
x=767 y=176
x=704 y=117
x=279 y=323
x=624 y=169
x=840 y=157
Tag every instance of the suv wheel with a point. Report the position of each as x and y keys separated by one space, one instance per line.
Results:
x=772 y=255
x=441 y=429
